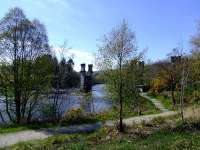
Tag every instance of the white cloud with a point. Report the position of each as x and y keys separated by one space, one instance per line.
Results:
x=79 y=57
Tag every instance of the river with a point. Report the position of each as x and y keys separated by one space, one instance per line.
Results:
x=96 y=104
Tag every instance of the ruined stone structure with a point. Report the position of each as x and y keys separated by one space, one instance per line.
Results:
x=175 y=59
x=86 y=78
x=140 y=84
x=141 y=72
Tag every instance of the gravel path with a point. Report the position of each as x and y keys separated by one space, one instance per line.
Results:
x=13 y=138
x=155 y=102
x=138 y=119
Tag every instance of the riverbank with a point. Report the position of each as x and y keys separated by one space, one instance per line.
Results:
x=160 y=133
x=147 y=107
x=12 y=138
x=45 y=133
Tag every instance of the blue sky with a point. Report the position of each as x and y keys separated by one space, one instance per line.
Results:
x=160 y=25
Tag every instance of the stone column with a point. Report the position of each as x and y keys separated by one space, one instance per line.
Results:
x=88 y=79
x=82 y=77
x=90 y=69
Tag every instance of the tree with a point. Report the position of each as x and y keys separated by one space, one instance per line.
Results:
x=21 y=42
x=184 y=77
x=168 y=71
x=116 y=49
x=193 y=88
x=133 y=82
x=195 y=59
x=195 y=41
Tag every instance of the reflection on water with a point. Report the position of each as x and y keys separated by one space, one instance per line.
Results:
x=97 y=103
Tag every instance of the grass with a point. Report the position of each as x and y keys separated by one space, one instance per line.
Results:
x=16 y=128
x=160 y=136
x=166 y=101
x=147 y=107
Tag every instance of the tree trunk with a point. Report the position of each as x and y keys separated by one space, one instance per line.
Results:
x=2 y=119
x=121 y=108
x=18 y=108
x=17 y=94
x=120 y=117
x=7 y=107
x=173 y=97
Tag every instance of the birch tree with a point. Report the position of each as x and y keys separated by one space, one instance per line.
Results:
x=116 y=49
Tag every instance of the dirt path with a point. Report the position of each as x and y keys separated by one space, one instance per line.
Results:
x=139 y=119
x=13 y=138
x=155 y=102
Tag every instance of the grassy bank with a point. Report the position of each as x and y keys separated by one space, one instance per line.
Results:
x=22 y=127
x=159 y=134
x=166 y=101
x=146 y=107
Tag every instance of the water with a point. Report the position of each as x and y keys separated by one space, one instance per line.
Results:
x=96 y=104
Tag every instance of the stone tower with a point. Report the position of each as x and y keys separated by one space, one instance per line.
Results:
x=86 y=78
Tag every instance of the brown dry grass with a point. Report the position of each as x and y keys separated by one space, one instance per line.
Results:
x=192 y=114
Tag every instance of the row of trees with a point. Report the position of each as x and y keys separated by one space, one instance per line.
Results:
x=178 y=75
x=27 y=68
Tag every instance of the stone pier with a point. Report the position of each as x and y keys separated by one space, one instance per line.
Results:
x=86 y=78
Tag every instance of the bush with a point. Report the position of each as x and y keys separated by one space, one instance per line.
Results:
x=77 y=116
x=158 y=121
x=157 y=86
x=74 y=116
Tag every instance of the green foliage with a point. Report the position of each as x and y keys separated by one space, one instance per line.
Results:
x=43 y=72
x=117 y=48
x=64 y=76
x=22 y=127
x=192 y=93
x=98 y=78
x=72 y=79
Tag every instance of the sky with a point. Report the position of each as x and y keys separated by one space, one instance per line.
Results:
x=159 y=25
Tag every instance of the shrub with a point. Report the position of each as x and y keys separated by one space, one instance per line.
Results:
x=74 y=116
x=157 y=86
x=77 y=116
x=158 y=121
